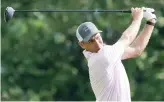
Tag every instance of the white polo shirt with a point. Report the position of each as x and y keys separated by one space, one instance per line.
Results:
x=108 y=77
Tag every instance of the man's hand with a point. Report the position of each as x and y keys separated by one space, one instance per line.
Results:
x=137 y=13
x=149 y=16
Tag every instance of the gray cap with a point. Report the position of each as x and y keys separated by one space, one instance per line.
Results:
x=86 y=30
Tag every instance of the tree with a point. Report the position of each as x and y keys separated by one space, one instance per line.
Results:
x=41 y=59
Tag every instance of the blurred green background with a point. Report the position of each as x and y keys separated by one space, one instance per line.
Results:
x=42 y=61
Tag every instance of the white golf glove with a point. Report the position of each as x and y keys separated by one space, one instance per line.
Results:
x=148 y=14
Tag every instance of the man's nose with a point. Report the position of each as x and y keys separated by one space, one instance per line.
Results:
x=96 y=41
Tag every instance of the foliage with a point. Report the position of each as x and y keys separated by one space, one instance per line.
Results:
x=42 y=61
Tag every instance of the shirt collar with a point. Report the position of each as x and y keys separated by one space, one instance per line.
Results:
x=88 y=54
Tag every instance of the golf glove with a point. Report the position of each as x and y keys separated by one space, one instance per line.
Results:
x=148 y=14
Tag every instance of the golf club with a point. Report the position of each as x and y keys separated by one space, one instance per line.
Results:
x=9 y=12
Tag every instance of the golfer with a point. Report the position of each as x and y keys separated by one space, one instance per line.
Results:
x=107 y=74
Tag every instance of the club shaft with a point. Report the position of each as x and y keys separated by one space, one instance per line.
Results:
x=123 y=11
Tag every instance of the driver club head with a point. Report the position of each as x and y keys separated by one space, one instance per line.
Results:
x=9 y=12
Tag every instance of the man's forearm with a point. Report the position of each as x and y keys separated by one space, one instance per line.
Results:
x=132 y=31
x=143 y=38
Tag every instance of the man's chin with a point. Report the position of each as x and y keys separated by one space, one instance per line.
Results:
x=99 y=47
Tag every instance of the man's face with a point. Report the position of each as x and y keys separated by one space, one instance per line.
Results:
x=94 y=44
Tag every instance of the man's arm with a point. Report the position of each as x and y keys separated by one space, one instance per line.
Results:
x=131 y=32
x=127 y=37
x=139 y=44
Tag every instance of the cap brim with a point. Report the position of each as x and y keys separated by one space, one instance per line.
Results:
x=89 y=37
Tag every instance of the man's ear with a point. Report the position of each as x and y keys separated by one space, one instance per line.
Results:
x=82 y=44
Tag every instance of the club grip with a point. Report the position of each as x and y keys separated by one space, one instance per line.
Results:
x=129 y=11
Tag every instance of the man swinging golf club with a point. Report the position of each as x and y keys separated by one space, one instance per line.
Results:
x=107 y=75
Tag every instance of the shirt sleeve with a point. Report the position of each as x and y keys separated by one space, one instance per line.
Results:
x=115 y=52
